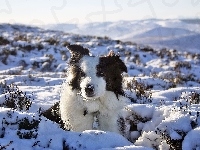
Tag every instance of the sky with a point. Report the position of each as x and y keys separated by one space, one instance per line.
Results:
x=43 y=12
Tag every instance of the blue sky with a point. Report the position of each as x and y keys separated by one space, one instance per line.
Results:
x=41 y=12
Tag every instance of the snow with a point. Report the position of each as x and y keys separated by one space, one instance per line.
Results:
x=136 y=108
x=192 y=139
x=163 y=84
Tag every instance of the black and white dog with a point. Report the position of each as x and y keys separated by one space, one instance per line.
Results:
x=92 y=95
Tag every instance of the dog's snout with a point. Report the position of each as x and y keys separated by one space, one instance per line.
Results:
x=89 y=90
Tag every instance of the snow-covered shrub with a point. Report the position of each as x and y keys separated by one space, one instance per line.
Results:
x=52 y=41
x=39 y=46
x=64 y=55
x=169 y=126
x=23 y=64
x=7 y=52
x=27 y=128
x=24 y=126
x=142 y=91
x=182 y=64
x=4 y=41
x=166 y=53
x=133 y=120
x=191 y=140
x=27 y=47
x=174 y=128
x=15 y=98
x=46 y=66
x=20 y=37
x=65 y=43
x=195 y=98
x=146 y=49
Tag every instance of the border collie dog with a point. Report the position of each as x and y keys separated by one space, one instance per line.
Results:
x=92 y=94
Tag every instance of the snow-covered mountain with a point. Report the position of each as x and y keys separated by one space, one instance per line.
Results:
x=154 y=32
x=163 y=85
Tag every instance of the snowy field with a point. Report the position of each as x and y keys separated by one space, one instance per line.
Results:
x=164 y=85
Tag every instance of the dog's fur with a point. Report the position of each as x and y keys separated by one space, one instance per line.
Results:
x=92 y=92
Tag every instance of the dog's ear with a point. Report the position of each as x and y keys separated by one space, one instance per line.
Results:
x=120 y=63
x=117 y=61
x=78 y=50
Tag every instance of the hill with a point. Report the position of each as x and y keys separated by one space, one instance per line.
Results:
x=153 y=32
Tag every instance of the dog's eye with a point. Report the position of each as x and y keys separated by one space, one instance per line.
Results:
x=82 y=74
x=99 y=72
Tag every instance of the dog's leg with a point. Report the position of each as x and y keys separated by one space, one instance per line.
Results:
x=110 y=110
x=109 y=121
x=96 y=120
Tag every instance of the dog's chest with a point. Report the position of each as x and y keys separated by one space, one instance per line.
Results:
x=90 y=106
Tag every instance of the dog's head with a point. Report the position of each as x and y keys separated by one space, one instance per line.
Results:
x=93 y=76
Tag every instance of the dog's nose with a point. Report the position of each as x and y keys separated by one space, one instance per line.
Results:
x=89 y=90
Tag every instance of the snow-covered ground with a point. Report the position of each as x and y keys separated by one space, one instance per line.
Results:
x=172 y=33
x=164 y=85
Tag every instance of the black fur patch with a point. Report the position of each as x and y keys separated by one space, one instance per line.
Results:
x=54 y=115
x=110 y=68
x=78 y=74
x=77 y=52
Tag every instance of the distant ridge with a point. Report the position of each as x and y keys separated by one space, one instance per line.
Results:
x=18 y=27
x=153 y=32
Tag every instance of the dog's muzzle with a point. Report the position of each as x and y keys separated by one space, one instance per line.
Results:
x=89 y=90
